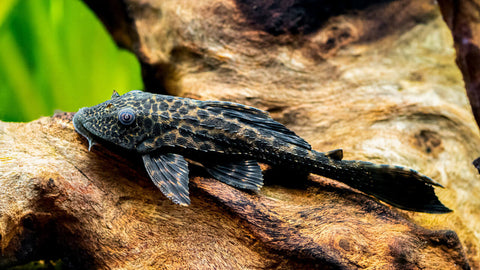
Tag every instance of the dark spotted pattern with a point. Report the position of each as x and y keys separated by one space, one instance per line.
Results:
x=229 y=131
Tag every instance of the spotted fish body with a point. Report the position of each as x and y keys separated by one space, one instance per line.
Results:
x=229 y=139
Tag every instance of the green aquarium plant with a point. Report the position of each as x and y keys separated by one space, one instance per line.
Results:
x=56 y=55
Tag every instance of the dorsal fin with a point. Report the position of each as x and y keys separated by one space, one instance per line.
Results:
x=256 y=118
x=336 y=154
x=235 y=107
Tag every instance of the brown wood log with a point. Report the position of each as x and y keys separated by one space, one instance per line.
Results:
x=462 y=17
x=377 y=80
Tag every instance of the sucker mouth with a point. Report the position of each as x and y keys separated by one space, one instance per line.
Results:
x=78 y=125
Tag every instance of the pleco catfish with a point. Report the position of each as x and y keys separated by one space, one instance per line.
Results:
x=229 y=139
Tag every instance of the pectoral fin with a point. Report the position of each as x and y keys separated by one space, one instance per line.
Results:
x=169 y=172
x=245 y=174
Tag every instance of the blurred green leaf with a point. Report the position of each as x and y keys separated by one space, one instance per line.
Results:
x=5 y=8
x=56 y=55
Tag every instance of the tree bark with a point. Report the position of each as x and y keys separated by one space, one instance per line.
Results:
x=378 y=80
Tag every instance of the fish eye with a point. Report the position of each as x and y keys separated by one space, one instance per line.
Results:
x=126 y=116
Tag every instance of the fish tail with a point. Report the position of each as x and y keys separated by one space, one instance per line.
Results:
x=401 y=187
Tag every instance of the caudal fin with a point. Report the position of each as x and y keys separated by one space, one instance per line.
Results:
x=401 y=187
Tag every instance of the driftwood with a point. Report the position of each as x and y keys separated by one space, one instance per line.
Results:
x=462 y=17
x=379 y=82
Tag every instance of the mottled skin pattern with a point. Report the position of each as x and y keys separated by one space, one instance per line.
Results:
x=229 y=139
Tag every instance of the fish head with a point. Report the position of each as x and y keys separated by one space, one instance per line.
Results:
x=119 y=121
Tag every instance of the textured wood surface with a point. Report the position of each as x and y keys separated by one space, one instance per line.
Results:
x=462 y=17
x=379 y=82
